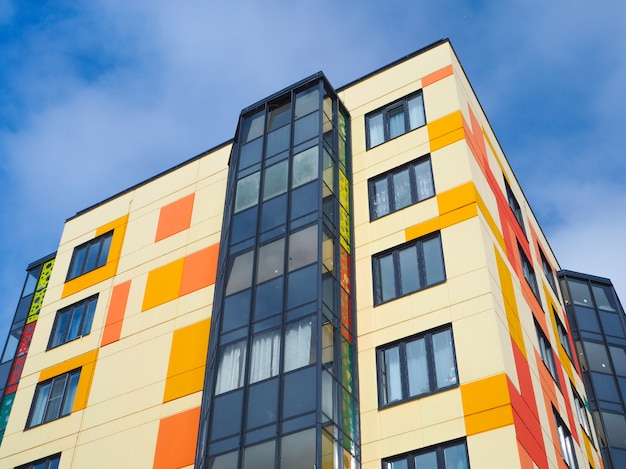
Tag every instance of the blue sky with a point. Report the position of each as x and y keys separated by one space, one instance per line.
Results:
x=98 y=95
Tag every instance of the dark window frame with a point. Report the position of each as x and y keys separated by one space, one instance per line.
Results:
x=547 y=271
x=403 y=365
x=582 y=413
x=563 y=335
x=546 y=351
x=388 y=176
x=566 y=442
x=84 y=328
x=395 y=252
x=438 y=449
x=388 y=110
x=66 y=378
x=97 y=244
x=529 y=272
x=514 y=206
x=48 y=461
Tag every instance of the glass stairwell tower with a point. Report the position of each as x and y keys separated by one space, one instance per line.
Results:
x=281 y=386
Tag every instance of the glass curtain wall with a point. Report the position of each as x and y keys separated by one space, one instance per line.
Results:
x=599 y=332
x=281 y=382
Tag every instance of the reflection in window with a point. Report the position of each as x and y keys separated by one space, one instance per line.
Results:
x=275 y=180
x=604 y=296
x=303 y=247
x=401 y=187
x=264 y=362
x=547 y=355
x=90 y=255
x=547 y=271
x=252 y=126
x=615 y=425
x=296 y=450
x=73 y=322
x=444 y=456
x=230 y=374
x=259 y=455
x=566 y=442
x=580 y=292
x=417 y=366
x=307 y=101
x=395 y=119
x=529 y=272
x=54 y=398
x=271 y=260
x=581 y=412
x=305 y=166
x=597 y=358
x=51 y=462
x=240 y=276
x=408 y=268
x=514 y=205
x=563 y=336
x=247 y=192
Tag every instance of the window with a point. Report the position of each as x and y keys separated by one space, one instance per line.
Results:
x=90 y=256
x=408 y=268
x=567 y=444
x=563 y=337
x=395 y=119
x=53 y=399
x=401 y=187
x=416 y=366
x=73 y=322
x=545 y=350
x=51 y=462
x=547 y=271
x=515 y=207
x=529 y=272
x=581 y=412
x=445 y=456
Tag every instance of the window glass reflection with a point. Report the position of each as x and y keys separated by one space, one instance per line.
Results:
x=306 y=128
x=247 y=192
x=305 y=166
x=271 y=260
x=269 y=299
x=240 y=276
x=259 y=456
x=307 y=101
x=303 y=247
x=252 y=126
x=605 y=299
x=236 y=311
x=275 y=180
x=250 y=153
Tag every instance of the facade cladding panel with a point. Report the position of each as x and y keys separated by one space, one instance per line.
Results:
x=356 y=280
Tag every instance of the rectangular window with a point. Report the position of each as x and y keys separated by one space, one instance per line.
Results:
x=53 y=399
x=529 y=272
x=416 y=366
x=90 y=255
x=401 y=187
x=563 y=336
x=408 y=268
x=547 y=355
x=547 y=271
x=51 y=462
x=73 y=322
x=581 y=412
x=566 y=442
x=515 y=206
x=445 y=456
x=395 y=119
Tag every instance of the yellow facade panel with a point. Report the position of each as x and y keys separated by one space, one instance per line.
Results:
x=441 y=98
x=456 y=198
x=451 y=166
x=495 y=449
x=185 y=372
x=163 y=284
x=422 y=229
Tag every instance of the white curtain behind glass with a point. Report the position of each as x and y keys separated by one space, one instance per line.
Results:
x=416 y=112
x=393 y=379
x=230 y=374
x=424 y=180
x=265 y=356
x=376 y=130
x=298 y=344
x=444 y=359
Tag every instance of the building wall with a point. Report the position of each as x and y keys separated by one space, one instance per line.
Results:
x=504 y=402
x=143 y=362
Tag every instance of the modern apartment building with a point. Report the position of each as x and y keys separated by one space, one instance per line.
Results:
x=355 y=280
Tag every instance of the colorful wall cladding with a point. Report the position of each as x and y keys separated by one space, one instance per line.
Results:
x=24 y=343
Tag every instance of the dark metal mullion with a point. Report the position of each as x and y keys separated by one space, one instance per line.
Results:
x=397 y=273
x=391 y=192
x=430 y=360
x=404 y=371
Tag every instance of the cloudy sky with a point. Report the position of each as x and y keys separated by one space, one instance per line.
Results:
x=97 y=95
